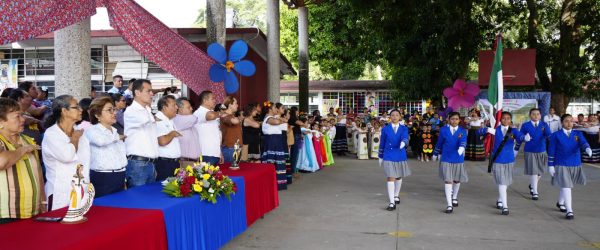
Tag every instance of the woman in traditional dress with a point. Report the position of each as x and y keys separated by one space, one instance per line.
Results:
x=475 y=149
x=340 y=142
x=273 y=146
x=591 y=130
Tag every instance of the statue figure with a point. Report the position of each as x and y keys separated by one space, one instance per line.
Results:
x=237 y=153
x=81 y=196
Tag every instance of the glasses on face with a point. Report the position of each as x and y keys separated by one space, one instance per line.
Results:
x=75 y=107
x=110 y=110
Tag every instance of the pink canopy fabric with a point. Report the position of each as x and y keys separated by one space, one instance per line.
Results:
x=24 y=19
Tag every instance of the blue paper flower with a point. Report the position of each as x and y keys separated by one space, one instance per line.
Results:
x=224 y=68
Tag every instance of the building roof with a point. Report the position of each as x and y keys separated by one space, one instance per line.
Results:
x=337 y=85
x=256 y=39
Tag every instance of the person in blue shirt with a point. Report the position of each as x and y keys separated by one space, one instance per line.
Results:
x=451 y=145
x=536 y=158
x=504 y=158
x=564 y=162
x=392 y=157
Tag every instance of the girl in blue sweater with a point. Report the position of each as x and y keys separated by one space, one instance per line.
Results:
x=504 y=159
x=392 y=157
x=451 y=145
x=564 y=162
x=536 y=158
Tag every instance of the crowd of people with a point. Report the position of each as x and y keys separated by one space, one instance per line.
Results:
x=121 y=143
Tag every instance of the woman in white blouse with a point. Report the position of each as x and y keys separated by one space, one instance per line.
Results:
x=63 y=148
x=107 y=167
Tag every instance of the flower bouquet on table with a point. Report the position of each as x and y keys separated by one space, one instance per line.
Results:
x=200 y=178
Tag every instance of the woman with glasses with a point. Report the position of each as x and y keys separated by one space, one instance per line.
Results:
x=63 y=148
x=107 y=167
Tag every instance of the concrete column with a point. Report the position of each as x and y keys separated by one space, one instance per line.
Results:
x=303 y=58
x=215 y=22
x=72 y=60
x=273 y=70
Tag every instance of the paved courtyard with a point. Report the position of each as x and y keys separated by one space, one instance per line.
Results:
x=343 y=207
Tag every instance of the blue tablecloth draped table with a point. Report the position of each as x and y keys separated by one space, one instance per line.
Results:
x=190 y=223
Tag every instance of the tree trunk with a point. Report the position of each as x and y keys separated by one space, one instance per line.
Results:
x=532 y=35
x=215 y=22
x=559 y=102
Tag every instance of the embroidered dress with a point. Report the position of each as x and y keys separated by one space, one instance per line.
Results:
x=274 y=151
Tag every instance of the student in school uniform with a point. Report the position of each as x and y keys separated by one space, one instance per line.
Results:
x=504 y=157
x=451 y=145
x=392 y=157
x=536 y=158
x=564 y=162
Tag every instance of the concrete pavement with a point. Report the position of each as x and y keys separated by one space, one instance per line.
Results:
x=343 y=207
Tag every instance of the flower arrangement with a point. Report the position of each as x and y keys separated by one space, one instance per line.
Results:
x=201 y=178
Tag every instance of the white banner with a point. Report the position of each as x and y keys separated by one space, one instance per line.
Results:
x=518 y=107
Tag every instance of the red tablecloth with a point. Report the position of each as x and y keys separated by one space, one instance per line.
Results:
x=261 y=188
x=106 y=228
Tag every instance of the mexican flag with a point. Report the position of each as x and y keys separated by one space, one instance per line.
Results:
x=496 y=86
x=495 y=94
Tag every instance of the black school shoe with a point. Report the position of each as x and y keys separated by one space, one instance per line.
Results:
x=499 y=205
x=570 y=216
x=391 y=207
x=455 y=202
x=562 y=207
x=397 y=200
x=449 y=209
x=535 y=197
x=505 y=211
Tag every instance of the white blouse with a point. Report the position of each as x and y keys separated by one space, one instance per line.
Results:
x=107 y=148
x=61 y=159
x=269 y=129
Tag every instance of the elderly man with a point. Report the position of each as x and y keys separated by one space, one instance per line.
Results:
x=185 y=123
x=169 y=149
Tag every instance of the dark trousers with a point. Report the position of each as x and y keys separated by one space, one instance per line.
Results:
x=165 y=168
x=107 y=182
x=211 y=160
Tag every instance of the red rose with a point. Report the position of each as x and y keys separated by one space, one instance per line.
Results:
x=189 y=180
x=185 y=189
x=234 y=187
x=219 y=176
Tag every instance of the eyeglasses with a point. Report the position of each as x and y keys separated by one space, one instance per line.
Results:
x=75 y=107
x=110 y=110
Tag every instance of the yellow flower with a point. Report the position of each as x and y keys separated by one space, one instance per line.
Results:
x=218 y=183
x=205 y=176
x=189 y=168
x=197 y=188
x=212 y=168
x=176 y=170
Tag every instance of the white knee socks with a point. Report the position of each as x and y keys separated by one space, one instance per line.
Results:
x=502 y=193
x=390 y=189
x=567 y=196
x=398 y=185
x=561 y=197
x=448 y=188
x=533 y=180
x=455 y=188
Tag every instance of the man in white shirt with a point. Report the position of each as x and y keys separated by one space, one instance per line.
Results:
x=169 y=149
x=208 y=129
x=553 y=120
x=141 y=142
x=128 y=94
x=117 y=84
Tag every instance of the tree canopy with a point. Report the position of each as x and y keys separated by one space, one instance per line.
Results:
x=423 y=46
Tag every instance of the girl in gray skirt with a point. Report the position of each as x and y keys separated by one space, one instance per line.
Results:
x=564 y=162
x=536 y=158
x=504 y=158
x=451 y=145
x=392 y=157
